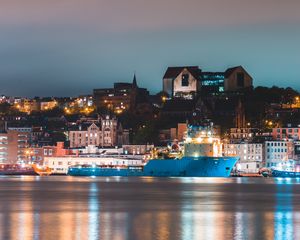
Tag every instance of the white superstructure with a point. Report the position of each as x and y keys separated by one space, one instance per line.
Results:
x=59 y=165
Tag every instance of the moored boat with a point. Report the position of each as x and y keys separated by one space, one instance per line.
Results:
x=285 y=174
x=42 y=171
x=16 y=169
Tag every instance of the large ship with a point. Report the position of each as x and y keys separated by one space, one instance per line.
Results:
x=200 y=156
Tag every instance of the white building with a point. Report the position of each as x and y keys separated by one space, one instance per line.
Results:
x=182 y=81
x=278 y=153
x=59 y=165
x=250 y=154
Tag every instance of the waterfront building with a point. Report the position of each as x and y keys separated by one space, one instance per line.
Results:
x=278 y=153
x=297 y=151
x=38 y=154
x=188 y=81
x=251 y=156
x=13 y=145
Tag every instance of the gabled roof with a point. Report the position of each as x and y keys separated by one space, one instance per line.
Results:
x=229 y=71
x=173 y=72
x=83 y=126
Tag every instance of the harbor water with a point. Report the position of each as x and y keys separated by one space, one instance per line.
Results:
x=120 y=208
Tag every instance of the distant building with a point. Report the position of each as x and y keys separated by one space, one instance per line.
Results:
x=47 y=104
x=188 y=81
x=106 y=133
x=182 y=81
x=178 y=108
x=276 y=112
x=121 y=98
x=85 y=101
x=83 y=104
x=286 y=133
x=238 y=135
x=169 y=135
x=27 y=105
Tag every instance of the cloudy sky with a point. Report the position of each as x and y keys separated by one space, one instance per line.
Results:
x=69 y=47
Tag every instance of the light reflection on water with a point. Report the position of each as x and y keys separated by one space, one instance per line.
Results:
x=149 y=208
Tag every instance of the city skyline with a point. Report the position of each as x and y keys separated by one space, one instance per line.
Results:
x=56 y=48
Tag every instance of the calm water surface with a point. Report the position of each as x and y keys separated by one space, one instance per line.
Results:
x=149 y=208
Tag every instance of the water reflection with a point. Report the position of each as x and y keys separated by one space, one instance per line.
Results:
x=149 y=208
x=94 y=210
x=283 y=219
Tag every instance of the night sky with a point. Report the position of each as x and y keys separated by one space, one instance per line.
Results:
x=69 y=47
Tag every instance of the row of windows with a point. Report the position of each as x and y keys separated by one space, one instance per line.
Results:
x=48 y=152
x=217 y=76
x=106 y=133
x=276 y=156
x=289 y=136
x=212 y=82
x=60 y=163
x=289 y=130
x=276 y=144
x=276 y=150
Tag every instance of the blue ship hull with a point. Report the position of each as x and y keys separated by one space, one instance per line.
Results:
x=285 y=174
x=184 y=167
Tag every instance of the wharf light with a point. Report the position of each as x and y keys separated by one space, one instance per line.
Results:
x=199 y=139
x=189 y=139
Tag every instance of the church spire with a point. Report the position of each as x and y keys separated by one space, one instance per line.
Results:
x=134 y=83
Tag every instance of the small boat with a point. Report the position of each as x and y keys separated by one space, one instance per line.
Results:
x=265 y=172
x=16 y=169
x=285 y=174
x=42 y=171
